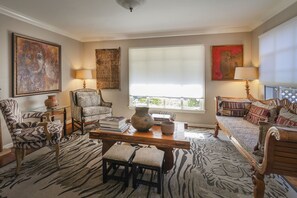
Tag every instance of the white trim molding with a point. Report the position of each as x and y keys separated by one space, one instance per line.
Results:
x=19 y=16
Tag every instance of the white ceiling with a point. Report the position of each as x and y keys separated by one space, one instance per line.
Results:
x=93 y=20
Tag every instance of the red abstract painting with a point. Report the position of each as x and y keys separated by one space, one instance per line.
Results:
x=224 y=60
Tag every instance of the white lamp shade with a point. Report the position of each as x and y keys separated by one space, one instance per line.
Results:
x=246 y=73
x=83 y=74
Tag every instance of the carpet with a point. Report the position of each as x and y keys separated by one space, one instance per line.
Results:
x=212 y=168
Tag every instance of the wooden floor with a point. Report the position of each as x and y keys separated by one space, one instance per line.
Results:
x=9 y=157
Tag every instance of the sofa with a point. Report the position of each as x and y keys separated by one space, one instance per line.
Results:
x=88 y=106
x=264 y=132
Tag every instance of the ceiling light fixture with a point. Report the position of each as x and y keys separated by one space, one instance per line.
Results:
x=130 y=4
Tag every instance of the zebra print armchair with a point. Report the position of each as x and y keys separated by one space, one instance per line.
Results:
x=29 y=135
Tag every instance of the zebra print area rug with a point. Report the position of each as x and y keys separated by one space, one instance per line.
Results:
x=212 y=168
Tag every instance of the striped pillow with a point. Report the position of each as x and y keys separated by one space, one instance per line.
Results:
x=235 y=109
x=257 y=114
x=287 y=118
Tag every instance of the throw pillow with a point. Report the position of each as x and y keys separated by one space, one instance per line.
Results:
x=287 y=118
x=235 y=109
x=87 y=99
x=261 y=112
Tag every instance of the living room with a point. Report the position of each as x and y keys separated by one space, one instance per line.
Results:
x=78 y=46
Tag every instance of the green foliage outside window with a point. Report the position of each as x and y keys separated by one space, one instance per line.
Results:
x=142 y=100
x=192 y=102
x=156 y=101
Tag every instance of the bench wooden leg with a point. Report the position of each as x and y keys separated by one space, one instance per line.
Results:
x=259 y=185
x=216 y=130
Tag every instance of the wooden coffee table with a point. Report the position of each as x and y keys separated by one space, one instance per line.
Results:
x=152 y=137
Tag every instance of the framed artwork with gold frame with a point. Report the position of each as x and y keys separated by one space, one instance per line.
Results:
x=36 y=66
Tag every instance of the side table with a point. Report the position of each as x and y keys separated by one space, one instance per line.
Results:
x=60 y=109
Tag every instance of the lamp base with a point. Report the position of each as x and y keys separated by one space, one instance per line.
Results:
x=247 y=88
x=84 y=84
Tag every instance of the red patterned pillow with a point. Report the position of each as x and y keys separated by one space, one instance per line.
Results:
x=287 y=118
x=235 y=109
x=257 y=114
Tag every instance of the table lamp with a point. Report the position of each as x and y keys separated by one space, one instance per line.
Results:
x=83 y=74
x=246 y=73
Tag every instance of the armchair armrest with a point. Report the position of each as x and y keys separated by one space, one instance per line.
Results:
x=47 y=133
x=103 y=103
x=106 y=104
x=76 y=112
x=43 y=115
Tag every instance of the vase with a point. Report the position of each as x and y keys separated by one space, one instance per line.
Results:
x=51 y=101
x=142 y=121
x=167 y=128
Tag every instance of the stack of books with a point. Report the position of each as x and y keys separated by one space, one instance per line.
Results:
x=159 y=118
x=113 y=124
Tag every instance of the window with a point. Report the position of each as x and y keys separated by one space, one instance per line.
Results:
x=281 y=92
x=167 y=77
x=278 y=55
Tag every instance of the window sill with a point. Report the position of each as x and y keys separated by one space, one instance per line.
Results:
x=175 y=110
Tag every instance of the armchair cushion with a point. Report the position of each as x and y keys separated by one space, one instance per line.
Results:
x=96 y=110
x=87 y=99
x=37 y=134
x=22 y=125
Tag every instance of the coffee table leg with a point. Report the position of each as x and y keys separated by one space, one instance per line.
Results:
x=168 y=156
x=106 y=145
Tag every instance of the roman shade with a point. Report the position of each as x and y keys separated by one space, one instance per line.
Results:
x=278 y=55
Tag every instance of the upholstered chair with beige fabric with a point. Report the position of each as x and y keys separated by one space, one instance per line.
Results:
x=30 y=135
x=88 y=106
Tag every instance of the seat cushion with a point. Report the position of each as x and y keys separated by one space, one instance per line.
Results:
x=96 y=110
x=119 y=153
x=87 y=99
x=244 y=132
x=149 y=156
x=37 y=134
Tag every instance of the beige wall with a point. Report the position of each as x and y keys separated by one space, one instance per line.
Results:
x=119 y=98
x=71 y=58
x=271 y=23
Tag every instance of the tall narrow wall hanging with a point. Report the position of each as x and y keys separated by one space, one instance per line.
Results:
x=108 y=68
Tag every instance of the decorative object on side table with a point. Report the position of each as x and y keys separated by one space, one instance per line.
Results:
x=51 y=101
x=142 y=120
x=167 y=128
